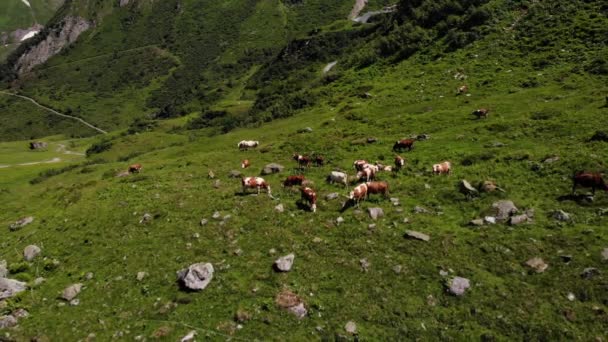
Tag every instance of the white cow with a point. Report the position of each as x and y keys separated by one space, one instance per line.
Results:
x=247 y=144
x=338 y=177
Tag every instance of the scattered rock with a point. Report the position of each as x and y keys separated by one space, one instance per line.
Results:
x=332 y=196
x=571 y=297
x=406 y=220
x=39 y=281
x=189 y=337
x=375 y=213
x=397 y=269
x=371 y=140
x=71 y=291
x=196 y=276
x=89 y=276
x=217 y=184
x=284 y=263
x=141 y=275
x=590 y=272
x=550 y=160
x=351 y=327
x=537 y=264
x=339 y=220
x=420 y=210
x=242 y=316
x=216 y=215
x=431 y=301
x=458 y=285
x=305 y=130
x=204 y=222
x=422 y=137
x=417 y=235
x=21 y=223
x=561 y=215
x=210 y=174
x=235 y=174
x=289 y=301
x=20 y=313
x=75 y=302
x=146 y=218
x=503 y=209
x=566 y=258
x=489 y=220
x=30 y=252
x=7 y=321
x=279 y=208
x=518 y=219
x=604 y=254
x=364 y=264
x=10 y=287
x=467 y=189
x=272 y=168
x=476 y=222
x=3 y=268
x=570 y=315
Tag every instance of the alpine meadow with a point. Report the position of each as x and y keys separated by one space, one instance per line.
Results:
x=295 y=170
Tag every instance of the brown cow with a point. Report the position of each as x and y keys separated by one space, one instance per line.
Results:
x=399 y=162
x=133 y=168
x=293 y=180
x=319 y=160
x=588 y=179
x=302 y=160
x=481 y=113
x=377 y=188
x=442 y=168
x=358 y=193
x=245 y=164
x=404 y=144
x=310 y=196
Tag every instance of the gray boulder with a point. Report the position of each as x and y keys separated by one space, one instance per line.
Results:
x=10 y=287
x=537 y=264
x=561 y=215
x=196 y=276
x=3 y=268
x=518 y=219
x=503 y=209
x=417 y=235
x=604 y=254
x=284 y=263
x=30 y=252
x=467 y=189
x=7 y=321
x=375 y=213
x=279 y=208
x=71 y=291
x=21 y=223
x=458 y=285
x=332 y=196
x=272 y=168
x=234 y=174
x=476 y=222
x=420 y=210
x=351 y=327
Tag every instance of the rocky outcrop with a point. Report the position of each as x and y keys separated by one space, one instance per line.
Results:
x=57 y=38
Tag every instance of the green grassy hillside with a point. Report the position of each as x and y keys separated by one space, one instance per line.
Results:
x=547 y=98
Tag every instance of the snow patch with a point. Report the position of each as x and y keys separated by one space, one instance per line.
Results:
x=27 y=3
x=29 y=34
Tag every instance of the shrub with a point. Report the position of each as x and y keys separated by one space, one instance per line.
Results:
x=99 y=147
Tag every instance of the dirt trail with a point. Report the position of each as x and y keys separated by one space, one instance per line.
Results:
x=54 y=111
x=61 y=149
x=54 y=160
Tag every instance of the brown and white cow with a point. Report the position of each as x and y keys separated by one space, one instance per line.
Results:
x=133 y=168
x=399 y=162
x=377 y=188
x=404 y=144
x=255 y=183
x=302 y=160
x=359 y=164
x=293 y=180
x=442 y=168
x=587 y=179
x=367 y=173
x=245 y=164
x=481 y=113
x=463 y=89
x=358 y=193
x=310 y=196
x=319 y=161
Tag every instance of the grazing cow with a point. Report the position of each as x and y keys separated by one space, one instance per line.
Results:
x=293 y=180
x=463 y=89
x=247 y=144
x=481 y=113
x=377 y=188
x=338 y=177
x=359 y=164
x=134 y=168
x=302 y=160
x=588 y=179
x=358 y=193
x=442 y=168
x=310 y=196
x=255 y=183
x=404 y=144
x=368 y=174
x=245 y=164
x=319 y=160
x=399 y=162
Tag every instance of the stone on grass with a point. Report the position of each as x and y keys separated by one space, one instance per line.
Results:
x=420 y=210
x=375 y=213
x=217 y=184
x=189 y=337
x=216 y=215
x=21 y=223
x=340 y=220
x=272 y=168
x=284 y=263
x=71 y=291
x=417 y=235
x=518 y=219
x=289 y=301
x=364 y=264
x=504 y=209
x=30 y=252
x=235 y=174
x=458 y=285
x=604 y=254
x=489 y=220
x=10 y=287
x=537 y=264
x=332 y=196
x=351 y=327
x=7 y=321
x=141 y=275
x=590 y=272
x=561 y=215
x=397 y=269
x=204 y=222
x=467 y=189
x=3 y=268
x=20 y=313
x=146 y=218
x=476 y=222
x=196 y=276
x=279 y=208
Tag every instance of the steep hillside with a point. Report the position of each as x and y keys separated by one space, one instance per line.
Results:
x=125 y=237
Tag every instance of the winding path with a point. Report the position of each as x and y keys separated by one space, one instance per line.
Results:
x=54 y=111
